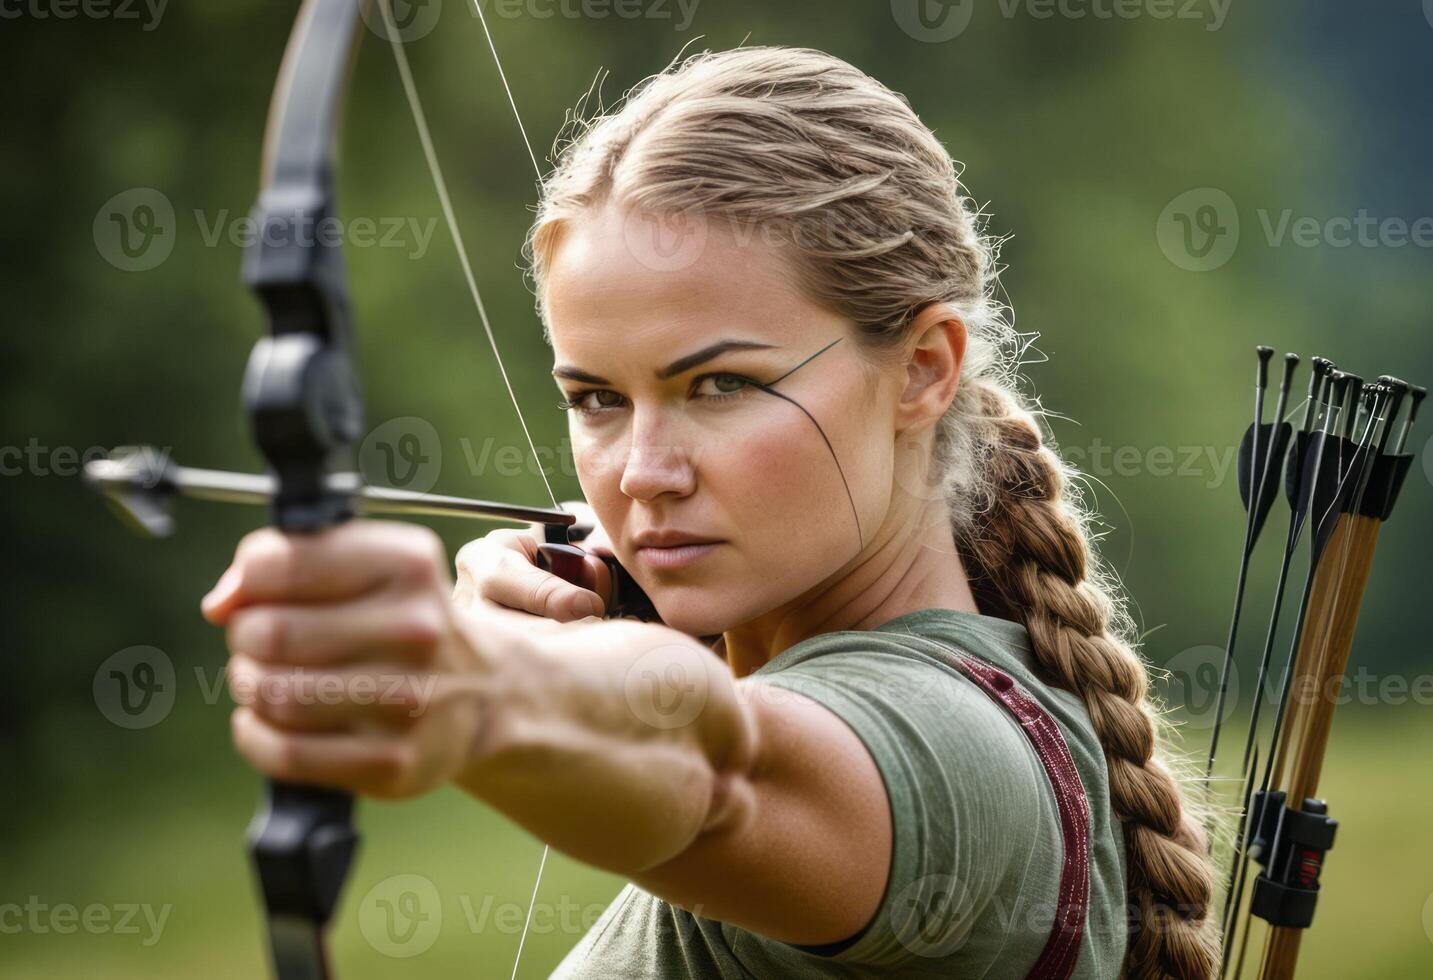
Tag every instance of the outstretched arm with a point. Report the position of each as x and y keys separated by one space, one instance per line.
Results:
x=627 y=745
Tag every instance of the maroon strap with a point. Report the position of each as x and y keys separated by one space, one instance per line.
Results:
x=1062 y=949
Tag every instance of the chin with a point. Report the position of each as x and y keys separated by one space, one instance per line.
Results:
x=693 y=610
x=693 y=622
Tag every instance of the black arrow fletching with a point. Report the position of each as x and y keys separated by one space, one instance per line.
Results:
x=1253 y=471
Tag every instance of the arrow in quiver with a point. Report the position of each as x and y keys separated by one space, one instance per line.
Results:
x=1342 y=473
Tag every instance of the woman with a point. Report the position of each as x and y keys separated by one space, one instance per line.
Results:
x=921 y=744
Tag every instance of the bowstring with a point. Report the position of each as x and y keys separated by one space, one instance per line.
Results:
x=502 y=74
x=440 y=185
x=420 y=120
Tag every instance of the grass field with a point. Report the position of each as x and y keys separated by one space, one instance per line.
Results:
x=464 y=876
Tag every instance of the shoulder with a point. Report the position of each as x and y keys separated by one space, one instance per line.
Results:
x=909 y=677
x=975 y=820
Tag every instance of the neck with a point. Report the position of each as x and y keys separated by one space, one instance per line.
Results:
x=911 y=564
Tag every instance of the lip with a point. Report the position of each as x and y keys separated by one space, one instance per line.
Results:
x=676 y=556
x=669 y=539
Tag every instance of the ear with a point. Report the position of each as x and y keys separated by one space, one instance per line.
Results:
x=933 y=361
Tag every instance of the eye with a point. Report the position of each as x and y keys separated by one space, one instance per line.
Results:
x=720 y=387
x=708 y=387
x=592 y=402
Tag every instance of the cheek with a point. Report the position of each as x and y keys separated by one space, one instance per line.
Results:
x=599 y=465
x=783 y=487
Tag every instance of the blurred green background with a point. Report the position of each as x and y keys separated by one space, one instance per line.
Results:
x=1172 y=177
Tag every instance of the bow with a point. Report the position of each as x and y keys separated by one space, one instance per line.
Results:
x=305 y=409
x=1342 y=472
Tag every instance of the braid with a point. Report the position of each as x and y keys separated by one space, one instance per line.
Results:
x=1029 y=559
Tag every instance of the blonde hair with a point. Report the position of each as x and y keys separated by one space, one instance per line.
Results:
x=872 y=209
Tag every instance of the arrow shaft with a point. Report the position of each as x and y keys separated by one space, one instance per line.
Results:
x=254 y=488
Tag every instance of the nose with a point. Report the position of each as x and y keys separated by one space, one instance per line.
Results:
x=657 y=462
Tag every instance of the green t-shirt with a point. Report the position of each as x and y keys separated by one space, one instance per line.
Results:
x=977 y=849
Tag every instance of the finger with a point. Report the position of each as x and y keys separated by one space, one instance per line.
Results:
x=501 y=569
x=375 y=764
x=382 y=696
x=478 y=559
x=498 y=627
x=539 y=590
x=339 y=562
x=380 y=626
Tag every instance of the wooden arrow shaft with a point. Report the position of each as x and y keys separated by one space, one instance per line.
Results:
x=1324 y=654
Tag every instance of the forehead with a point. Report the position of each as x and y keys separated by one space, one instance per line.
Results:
x=627 y=283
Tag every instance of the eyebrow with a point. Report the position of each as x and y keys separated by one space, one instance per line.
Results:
x=680 y=366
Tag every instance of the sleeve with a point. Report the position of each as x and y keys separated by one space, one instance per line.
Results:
x=971 y=809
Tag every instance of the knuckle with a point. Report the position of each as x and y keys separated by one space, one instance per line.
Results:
x=265 y=548
x=283 y=708
x=494 y=548
x=468 y=555
x=289 y=758
x=392 y=768
x=259 y=633
x=510 y=563
x=240 y=722
x=403 y=701
x=421 y=556
x=421 y=627
x=507 y=537
x=433 y=546
x=253 y=542
x=544 y=592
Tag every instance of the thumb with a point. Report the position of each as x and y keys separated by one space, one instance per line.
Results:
x=581 y=568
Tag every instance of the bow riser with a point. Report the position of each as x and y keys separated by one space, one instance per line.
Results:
x=306 y=412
